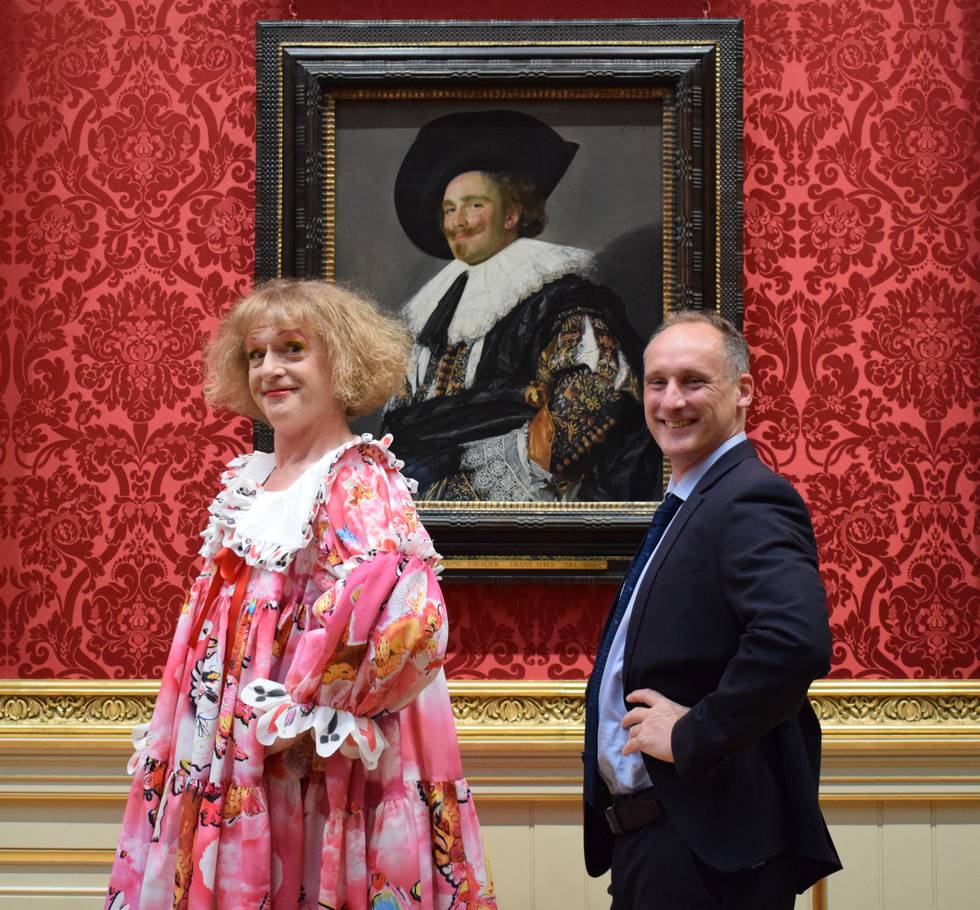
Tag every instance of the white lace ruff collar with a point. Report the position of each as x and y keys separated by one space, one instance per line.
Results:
x=268 y=530
x=497 y=285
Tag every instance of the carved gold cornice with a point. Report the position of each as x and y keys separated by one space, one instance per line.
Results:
x=852 y=712
x=74 y=707
x=530 y=712
x=909 y=705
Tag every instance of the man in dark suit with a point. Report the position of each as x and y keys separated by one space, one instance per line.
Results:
x=702 y=753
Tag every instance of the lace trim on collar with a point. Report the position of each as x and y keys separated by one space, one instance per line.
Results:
x=240 y=488
x=496 y=286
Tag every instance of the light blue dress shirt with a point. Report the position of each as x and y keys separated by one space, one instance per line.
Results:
x=626 y=773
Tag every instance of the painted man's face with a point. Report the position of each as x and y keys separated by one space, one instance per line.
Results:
x=475 y=218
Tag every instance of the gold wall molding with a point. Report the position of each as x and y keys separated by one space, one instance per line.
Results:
x=501 y=712
x=492 y=711
x=910 y=703
x=45 y=856
x=74 y=707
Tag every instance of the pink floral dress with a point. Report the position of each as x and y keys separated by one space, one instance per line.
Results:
x=318 y=614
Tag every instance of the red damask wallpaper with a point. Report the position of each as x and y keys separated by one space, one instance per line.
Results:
x=126 y=218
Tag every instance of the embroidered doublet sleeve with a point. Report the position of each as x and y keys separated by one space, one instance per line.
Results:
x=586 y=380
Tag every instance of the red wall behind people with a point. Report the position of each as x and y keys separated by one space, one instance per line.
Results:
x=126 y=220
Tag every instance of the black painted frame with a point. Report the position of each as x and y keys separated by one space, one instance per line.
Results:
x=698 y=62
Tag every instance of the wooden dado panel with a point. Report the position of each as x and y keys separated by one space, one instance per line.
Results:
x=900 y=787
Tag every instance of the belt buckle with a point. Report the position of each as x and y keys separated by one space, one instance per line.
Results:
x=612 y=819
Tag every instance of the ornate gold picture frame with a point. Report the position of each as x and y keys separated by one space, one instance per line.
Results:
x=337 y=104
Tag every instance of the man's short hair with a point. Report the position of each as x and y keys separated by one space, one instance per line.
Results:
x=521 y=190
x=733 y=341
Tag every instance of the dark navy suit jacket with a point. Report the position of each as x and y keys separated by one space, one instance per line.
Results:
x=731 y=621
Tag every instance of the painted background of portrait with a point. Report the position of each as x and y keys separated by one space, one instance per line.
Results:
x=126 y=226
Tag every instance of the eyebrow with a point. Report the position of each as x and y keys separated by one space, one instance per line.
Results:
x=281 y=332
x=468 y=197
x=684 y=374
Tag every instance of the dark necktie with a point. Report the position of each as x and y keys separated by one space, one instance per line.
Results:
x=435 y=332
x=661 y=518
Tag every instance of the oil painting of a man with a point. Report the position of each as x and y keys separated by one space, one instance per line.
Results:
x=524 y=382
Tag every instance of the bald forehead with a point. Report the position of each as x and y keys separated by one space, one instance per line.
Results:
x=692 y=335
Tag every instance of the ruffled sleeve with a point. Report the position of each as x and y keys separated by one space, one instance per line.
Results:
x=378 y=633
x=368 y=510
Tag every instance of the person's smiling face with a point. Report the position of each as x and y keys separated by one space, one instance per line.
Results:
x=288 y=377
x=476 y=220
x=692 y=399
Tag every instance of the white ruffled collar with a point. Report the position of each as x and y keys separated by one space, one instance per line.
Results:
x=496 y=286
x=268 y=529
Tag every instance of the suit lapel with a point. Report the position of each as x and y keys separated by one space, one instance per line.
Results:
x=721 y=467
x=724 y=464
x=646 y=582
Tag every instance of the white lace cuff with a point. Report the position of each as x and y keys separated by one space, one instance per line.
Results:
x=501 y=471
x=281 y=718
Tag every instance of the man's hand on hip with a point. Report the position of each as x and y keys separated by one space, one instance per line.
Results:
x=651 y=724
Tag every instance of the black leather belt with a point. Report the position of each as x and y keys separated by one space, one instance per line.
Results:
x=632 y=812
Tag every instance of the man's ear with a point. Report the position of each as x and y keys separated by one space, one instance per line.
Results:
x=746 y=388
x=513 y=218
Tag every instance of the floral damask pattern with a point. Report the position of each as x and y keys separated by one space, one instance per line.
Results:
x=525 y=632
x=842 y=44
x=924 y=143
x=854 y=520
x=840 y=231
x=126 y=217
x=871 y=335
x=56 y=237
x=934 y=618
x=922 y=347
x=145 y=148
x=56 y=520
x=126 y=611
x=126 y=164
x=140 y=350
x=66 y=50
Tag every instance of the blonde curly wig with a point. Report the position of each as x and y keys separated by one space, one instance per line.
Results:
x=367 y=350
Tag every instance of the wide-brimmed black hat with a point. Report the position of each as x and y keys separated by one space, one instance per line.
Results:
x=508 y=142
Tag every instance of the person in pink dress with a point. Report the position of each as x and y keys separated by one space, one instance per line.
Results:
x=302 y=751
